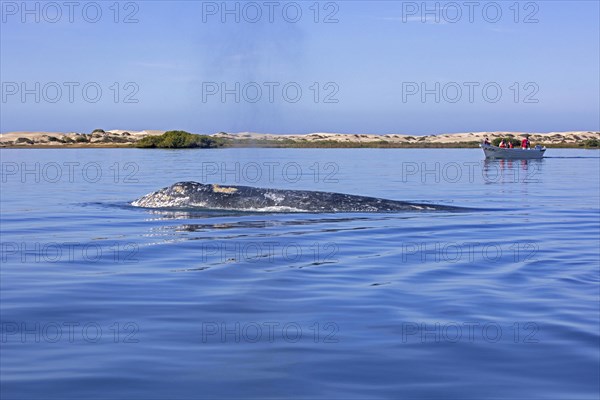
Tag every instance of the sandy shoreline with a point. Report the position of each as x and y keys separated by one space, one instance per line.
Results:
x=123 y=138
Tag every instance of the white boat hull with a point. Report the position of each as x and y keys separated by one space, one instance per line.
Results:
x=512 y=154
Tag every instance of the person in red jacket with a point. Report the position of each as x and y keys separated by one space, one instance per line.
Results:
x=525 y=143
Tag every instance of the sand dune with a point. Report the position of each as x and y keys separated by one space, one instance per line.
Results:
x=119 y=137
x=551 y=137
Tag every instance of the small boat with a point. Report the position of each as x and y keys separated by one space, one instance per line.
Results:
x=535 y=153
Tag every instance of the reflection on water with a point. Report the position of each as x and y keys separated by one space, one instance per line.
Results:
x=512 y=171
x=250 y=224
x=193 y=214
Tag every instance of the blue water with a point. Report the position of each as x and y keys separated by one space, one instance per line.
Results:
x=103 y=300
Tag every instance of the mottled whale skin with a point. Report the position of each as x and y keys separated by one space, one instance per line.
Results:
x=245 y=198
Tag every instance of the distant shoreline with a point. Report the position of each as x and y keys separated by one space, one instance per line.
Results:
x=128 y=139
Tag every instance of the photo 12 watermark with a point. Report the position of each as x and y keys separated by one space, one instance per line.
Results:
x=54 y=12
x=502 y=171
x=269 y=252
x=69 y=172
x=87 y=332
x=470 y=92
x=68 y=252
x=454 y=12
x=253 y=12
x=268 y=171
x=468 y=252
x=70 y=92
x=269 y=332
x=289 y=92
x=469 y=332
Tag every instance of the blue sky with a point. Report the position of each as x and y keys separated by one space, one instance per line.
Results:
x=370 y=67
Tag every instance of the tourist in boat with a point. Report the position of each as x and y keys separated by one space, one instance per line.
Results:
x=525 y=144
x=486 y=142
x=502 y=144
x=510 y=144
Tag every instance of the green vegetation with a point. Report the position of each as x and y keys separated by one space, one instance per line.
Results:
x=332 y=144
x=180 y=140
x=23 y=140
x=81 y=139
x=591 y=143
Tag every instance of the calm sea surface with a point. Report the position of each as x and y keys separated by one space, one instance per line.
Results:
x=102 y=300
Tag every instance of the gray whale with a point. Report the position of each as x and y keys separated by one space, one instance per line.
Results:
x=245 y=198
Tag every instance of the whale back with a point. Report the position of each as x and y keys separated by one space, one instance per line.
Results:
x=246 y=198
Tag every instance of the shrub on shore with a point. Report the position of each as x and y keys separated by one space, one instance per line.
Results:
x=81 y=139
x=23 y=140
x=179 y=140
